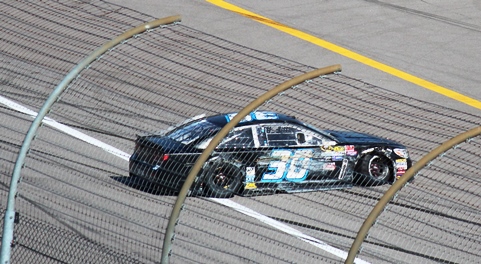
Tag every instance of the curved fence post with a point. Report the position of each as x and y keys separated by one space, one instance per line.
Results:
x=169 y=234
x=388 y=196
x=8 y=226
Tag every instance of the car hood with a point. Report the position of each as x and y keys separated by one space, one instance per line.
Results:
x=355 y=138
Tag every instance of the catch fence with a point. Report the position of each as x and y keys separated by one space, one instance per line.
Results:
x=76 y=203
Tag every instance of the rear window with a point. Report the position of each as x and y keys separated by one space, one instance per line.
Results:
x=238 y=138
x=193 y=131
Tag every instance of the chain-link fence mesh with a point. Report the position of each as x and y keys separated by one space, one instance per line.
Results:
x=436 y=219
x=78 y=203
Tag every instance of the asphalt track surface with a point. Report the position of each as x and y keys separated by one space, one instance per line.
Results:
x=436 y=42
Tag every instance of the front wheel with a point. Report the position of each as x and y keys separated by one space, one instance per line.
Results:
x=373 y=170
x=222 y=180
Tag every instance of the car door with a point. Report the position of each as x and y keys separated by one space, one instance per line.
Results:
x=295 y=154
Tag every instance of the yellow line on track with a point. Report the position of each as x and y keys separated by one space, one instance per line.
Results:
x=349 y=54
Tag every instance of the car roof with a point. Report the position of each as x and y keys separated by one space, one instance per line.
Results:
x=253 y=118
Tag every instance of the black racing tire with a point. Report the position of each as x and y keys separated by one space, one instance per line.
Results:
x=222 y=180
x=373 y=170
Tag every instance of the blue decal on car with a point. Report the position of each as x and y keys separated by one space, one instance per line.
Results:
x=290 y=165
x=253 y=116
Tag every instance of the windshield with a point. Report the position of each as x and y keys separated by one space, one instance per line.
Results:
x=320 y=131
x=193 y=131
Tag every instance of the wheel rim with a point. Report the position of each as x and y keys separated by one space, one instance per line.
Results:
x=377 y=168
x=222 y=180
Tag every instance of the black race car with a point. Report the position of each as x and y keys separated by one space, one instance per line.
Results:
x=266 y=152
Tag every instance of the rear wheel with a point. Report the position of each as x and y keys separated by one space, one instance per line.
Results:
x=374 y=169
x=222 y=180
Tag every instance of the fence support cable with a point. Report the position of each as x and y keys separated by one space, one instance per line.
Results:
x=8 y=226
x=388 y=196
x=169 y=234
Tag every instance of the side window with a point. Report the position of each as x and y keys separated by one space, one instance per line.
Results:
x=238 y=138
x=277 y=135
x=283 y=135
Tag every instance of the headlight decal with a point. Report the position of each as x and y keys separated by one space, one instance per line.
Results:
x=403 y=153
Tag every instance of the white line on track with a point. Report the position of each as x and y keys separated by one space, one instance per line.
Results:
x=226 y=202
x=67 y=130
x=285 y=228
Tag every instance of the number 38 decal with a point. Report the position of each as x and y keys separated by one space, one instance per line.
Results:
x=291 y=165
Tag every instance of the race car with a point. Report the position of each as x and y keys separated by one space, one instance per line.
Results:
x=265 y=153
